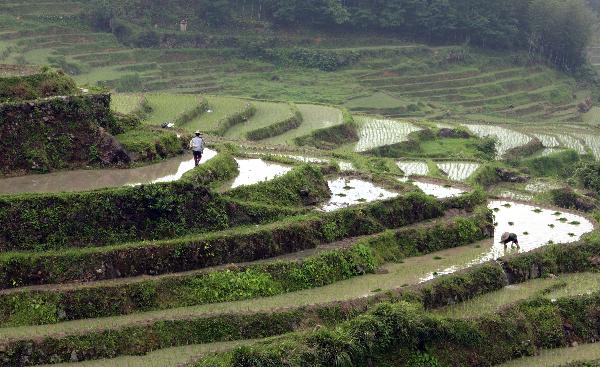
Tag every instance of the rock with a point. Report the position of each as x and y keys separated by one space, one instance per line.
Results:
x=74 y=357
x=110 y=150
x=506 y=175
x=594 y=260
x=574 y=344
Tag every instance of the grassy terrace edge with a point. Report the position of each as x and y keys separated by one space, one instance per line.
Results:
x=348 y=259
x=400 y=328
x=231 y=246
x=153 y=211
x=158 y=334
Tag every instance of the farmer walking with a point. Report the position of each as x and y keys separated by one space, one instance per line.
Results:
x=197 y=147
x=509 y=237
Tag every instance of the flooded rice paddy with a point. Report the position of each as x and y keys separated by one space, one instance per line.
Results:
x=85 y=180
x=535 y=227
x=414 y=168
x=437 y=190
x=376 y=133
x=458 y=171
x=346 y=192
x=253 y=171
x=507 y=139
x=548 y=141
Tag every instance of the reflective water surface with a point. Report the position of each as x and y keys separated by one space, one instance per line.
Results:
x=85 y=180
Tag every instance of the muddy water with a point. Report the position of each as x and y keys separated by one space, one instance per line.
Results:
x=84 y=180
x=438 y=191
x=347 y=192
x=253 y=171
x=535 y=227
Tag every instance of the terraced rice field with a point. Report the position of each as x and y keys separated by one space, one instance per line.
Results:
x=437 y=190
x=559 y=357
x=219 y=109
x=346 y=192
x=85 y=179
x=166 y=107
x=593 y=143
x=549 y=141
x=375 y=133
x=253 y=171
x=125 y=103
x=414 y=168
x=507 y=139
x=313 y=117
x=540 y=225
x=267 y=113
x=571 y=143
x=535 y=228
x=550 y=288
x=458 y=171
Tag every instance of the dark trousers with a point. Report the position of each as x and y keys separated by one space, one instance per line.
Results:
x=197 y=157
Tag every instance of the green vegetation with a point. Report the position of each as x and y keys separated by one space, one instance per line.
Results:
x=498 y=95
x=47 y=83
x=147 y=144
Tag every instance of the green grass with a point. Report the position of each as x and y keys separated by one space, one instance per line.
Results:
x=563 y=286
x=558 y=357
x=164 y=357
x=267 y=113
x=450 y=148
x=167 y=106
x=410 y=272
x=314 y=117
x=220 y=107
x=377 y=100
x=125 y=103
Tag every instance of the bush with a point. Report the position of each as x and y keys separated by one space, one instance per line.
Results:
x=559 y=164
x=304 y=185
x=45 y=84
x=149 y=144
x=588 y=175
x=323 y=59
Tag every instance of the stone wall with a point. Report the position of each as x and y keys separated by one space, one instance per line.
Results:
x=57 y=132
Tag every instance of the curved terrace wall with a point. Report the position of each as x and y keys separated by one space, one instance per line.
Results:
x=58 y=132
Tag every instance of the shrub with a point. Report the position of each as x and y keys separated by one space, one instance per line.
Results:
x=559 y=164
x=588 y=175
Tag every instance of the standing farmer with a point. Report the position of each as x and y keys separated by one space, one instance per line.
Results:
x=197 y=147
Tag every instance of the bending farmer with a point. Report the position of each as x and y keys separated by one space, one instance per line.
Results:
x=197 y=147
x=509 y=237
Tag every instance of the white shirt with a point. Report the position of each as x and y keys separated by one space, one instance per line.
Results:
x=197 y=144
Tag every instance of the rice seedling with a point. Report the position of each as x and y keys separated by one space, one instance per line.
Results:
x=375 y=133
x=414 y=168
x=571 y=143
x=507 y=139
x=549 y=141
x=125 y=103
x=458 y=171
x=593 y=142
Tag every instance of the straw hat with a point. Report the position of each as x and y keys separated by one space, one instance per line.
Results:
x=504 y=237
